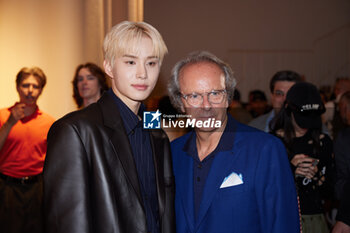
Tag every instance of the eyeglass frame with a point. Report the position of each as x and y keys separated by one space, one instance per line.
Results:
x=224 y=91
x=279 y=94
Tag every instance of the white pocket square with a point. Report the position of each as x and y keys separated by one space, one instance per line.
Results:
x=232 y=180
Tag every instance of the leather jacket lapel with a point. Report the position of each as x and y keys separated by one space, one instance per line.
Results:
x=158 y=158
x=119 y=140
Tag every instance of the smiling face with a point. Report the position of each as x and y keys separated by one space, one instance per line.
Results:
x=29 y=90
x=134 y=74
x=88 y=85
x=203 y=78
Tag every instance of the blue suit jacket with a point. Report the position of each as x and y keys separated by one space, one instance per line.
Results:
x=265 y=202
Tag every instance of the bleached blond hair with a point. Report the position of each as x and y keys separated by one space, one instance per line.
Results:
x=125 y=37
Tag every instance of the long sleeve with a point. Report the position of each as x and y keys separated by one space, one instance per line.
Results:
x=342 y=161
x=66 y=183
x=344 y=209
x=275 y=191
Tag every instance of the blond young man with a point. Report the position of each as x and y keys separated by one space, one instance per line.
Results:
x=103 y=172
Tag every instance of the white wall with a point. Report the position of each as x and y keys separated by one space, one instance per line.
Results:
x=258 y=38
x=255 y=37
x=55 y=36
x=44 y=34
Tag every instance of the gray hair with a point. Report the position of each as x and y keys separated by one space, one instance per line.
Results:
x=195 y=58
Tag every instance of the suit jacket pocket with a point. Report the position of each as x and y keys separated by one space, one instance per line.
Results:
x=232 y=190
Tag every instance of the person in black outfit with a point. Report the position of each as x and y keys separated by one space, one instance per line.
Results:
x=104 y=172
x=343 y=217
x=342 y=147
x=342 y=162
x=299 y=125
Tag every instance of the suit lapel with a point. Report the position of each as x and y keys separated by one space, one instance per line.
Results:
x=221 y=167
x=119 y=140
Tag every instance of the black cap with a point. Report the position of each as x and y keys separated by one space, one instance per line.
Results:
x=305 y=103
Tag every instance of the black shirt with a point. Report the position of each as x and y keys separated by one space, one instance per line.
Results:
x=312 y=191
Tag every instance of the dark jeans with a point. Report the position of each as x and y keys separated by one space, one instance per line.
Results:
x=21 y=209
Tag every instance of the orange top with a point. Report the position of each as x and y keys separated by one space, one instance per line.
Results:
x=24 y=150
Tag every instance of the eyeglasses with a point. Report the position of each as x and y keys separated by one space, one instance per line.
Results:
x=196 y=99
x=278 y=93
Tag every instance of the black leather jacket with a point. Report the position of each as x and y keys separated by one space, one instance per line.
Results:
x=90 y=179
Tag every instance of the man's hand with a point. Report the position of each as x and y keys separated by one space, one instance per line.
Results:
x=305 y=165
x=17 y=113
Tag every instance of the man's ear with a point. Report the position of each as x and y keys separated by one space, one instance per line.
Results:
x=108 y=68
x=182 y=108
x=227 y=104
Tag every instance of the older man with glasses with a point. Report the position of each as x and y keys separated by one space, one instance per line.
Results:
x=229 y=177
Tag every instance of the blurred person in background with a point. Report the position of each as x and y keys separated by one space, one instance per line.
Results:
x=332 y=117
x=89 y=83
x=299 y=125
x=279 y=86
x=237 y=110
x=343 y=216
x=342 y=162
x=257 y=104
x=342 y=146
x=23 y=130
